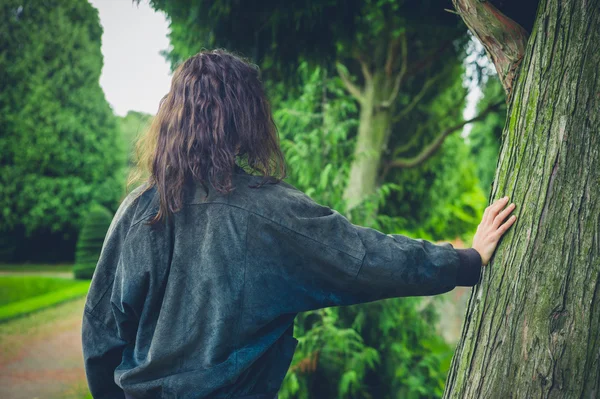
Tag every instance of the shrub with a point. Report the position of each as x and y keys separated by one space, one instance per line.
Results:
x=90 y=241
x=61 y=148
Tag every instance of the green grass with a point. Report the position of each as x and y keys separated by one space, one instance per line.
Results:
x=21 y=295
x=13 y=267
x=18 y=288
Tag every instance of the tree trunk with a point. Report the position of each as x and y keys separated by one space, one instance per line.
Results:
x=372 y=138
x=533 y=323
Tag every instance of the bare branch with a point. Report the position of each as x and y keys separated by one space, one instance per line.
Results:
x=430 y=149
x=400 y=77
x=365 y=69
x=351 y=87
x=392 y=53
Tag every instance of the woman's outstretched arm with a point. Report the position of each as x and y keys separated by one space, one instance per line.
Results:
x=321 y=259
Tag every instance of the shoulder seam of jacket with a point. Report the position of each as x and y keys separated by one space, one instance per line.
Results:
x=131 y=225
x=286 y=227
x=362 y=262
x=97 y=319
x=243 y=291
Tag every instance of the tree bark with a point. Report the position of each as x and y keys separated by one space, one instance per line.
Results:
x=532 y=328
x=372 y=139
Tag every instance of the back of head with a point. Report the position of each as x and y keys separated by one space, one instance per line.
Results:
x=215 y=112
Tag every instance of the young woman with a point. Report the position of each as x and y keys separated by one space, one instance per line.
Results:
x=206 y=265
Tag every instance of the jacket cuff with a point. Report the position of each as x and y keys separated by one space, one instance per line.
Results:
x=469 y=269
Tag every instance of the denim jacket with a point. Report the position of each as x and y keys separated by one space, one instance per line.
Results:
x=204 y=306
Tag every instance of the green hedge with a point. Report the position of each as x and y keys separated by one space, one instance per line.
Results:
x=91 y=238
x=84 y=272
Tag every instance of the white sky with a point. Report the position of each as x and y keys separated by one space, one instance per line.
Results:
x=475 y=92
x=135 y=76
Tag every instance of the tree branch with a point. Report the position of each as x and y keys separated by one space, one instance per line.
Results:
x=351 y=87
x=414 y=138
x=393 y=52
x=412 y=141
x=416 y=99
x=430 y=149
x=365 y=69
x=504 y=39
x=400 y=77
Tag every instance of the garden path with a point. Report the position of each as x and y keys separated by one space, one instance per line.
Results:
x=41 y=356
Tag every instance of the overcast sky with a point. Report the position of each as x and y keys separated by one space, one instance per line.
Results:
x=135 y=76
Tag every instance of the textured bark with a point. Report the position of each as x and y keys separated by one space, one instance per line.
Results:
x=533 y=323
x=504 y=39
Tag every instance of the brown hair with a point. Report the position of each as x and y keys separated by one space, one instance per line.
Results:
x=216 y=110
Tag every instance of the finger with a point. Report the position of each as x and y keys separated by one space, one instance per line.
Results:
x=485 y=215
x=496 y=207
x=502 y=229
x=503 y=215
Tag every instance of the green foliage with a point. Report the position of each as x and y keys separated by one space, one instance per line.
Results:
x=20 y=295
x=485 y=137
x=436 y=200
x=60 y=148
x=132 y=126
x=90 y=241
x=316 y=135
x=384 y=349
x=279 y=35
x=440 y=198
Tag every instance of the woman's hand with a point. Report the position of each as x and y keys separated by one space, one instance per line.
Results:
x=492 y=228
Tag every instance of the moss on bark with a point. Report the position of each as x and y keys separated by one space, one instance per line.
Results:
x=533 y=324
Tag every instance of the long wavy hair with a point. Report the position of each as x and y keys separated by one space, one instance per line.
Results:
x=216 y=112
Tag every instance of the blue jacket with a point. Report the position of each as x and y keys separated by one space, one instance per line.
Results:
x=204 y=306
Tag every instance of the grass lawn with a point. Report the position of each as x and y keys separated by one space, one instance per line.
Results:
x=20 y=295
x=59 y=268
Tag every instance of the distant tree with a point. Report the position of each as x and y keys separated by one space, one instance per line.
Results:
x=60 y=148
x=382 y=349
x=132 y=125
x=89 y=244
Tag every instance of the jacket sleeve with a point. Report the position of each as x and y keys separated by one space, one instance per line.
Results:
x=321 y=259
x=104 y=337
x=102 y=353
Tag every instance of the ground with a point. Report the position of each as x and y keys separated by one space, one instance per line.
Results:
x=40 y=354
